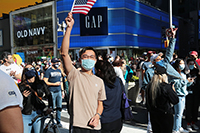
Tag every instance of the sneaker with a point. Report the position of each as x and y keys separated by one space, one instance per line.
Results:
x=183 y=130
x=195 y=127
x=175 y=131
x=189 y=128
x=59 y=125
x=149 y=131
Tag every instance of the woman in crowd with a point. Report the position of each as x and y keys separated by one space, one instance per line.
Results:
x=181 y=90
x=111 y=121
x=33 y=89
x=160 y=95
x=117 y=64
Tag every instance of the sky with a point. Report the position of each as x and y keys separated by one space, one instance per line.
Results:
x=10 y=5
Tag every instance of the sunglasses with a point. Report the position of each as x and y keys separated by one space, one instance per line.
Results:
x=30 y=68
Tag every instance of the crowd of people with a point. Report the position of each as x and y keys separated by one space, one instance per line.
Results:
x=91 y=86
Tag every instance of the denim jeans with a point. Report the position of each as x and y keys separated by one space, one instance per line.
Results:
x=178 y=109
x=27 y=119
x=57 y=103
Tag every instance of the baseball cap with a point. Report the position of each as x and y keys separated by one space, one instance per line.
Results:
x=149 y=52
x=193 y=53
x=160 y=70
x=153 y=57
x=54 y=60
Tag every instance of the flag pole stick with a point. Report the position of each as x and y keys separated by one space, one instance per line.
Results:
x=170 y=13
x=73 y=6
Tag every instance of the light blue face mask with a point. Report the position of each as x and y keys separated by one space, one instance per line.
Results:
x=87 y=64
x=191 y=67
x=160 y=63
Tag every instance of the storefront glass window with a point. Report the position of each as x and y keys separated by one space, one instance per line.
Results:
x=33 y=27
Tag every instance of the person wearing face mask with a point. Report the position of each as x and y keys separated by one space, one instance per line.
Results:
x=86 y=91
x=157 y=61
x=193 y=97
x=194 y=56
x=53 y=79
x=33 y=89
x=10 y=68
x=180 y=86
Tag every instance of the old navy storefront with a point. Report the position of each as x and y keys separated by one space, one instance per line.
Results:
x=33 y=31
x=123 y=27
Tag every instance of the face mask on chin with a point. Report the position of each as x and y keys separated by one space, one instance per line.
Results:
x=87 y=64
x=10 y=61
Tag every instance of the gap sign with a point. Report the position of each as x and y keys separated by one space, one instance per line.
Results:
x=95 y=22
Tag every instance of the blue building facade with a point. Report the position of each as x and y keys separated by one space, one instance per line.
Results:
x=131 y=25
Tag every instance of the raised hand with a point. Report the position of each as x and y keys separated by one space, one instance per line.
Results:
x=69 y=20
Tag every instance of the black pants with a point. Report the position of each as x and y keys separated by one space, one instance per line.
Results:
x=84 y=130
x=112 y=127
x=161 y=122
x=192 y=106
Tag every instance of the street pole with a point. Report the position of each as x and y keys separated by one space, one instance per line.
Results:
x=170 y=13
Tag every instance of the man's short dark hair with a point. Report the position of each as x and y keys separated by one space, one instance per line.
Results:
x=5 y=55
x=87 y=48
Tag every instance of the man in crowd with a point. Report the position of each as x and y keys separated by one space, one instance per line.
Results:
x=53 y=78
x=10 y=106
x=87 y=91
x=10 y=67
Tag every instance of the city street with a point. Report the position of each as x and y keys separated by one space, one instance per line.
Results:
x=128 y=127
x=138 y=125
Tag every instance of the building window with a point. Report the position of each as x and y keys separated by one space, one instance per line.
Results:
x=33 y=27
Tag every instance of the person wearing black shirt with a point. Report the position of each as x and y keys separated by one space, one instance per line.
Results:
x=33 y=89
x=111 y=118
x=53 y=78
x=160 y=95
x=193 y=97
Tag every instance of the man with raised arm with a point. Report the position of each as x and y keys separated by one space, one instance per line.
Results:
x=87 y=91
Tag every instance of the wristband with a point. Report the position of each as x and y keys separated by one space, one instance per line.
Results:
x=99 y=115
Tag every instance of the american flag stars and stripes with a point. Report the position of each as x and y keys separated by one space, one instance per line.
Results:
x=82 y=6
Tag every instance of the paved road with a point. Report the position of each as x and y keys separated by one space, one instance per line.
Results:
x=138 y=125
x=127 y=128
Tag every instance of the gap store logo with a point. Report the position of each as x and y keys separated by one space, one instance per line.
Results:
x=95 y=22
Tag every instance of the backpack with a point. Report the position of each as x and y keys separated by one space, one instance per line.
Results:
x=125 y=107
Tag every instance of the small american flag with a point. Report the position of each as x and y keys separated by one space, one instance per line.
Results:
x=82 y=6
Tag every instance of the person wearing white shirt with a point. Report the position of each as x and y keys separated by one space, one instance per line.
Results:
x=10 y=68
x=117 y=67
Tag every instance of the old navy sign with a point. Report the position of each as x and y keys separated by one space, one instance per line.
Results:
x=95 y=22
x=31 y=32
